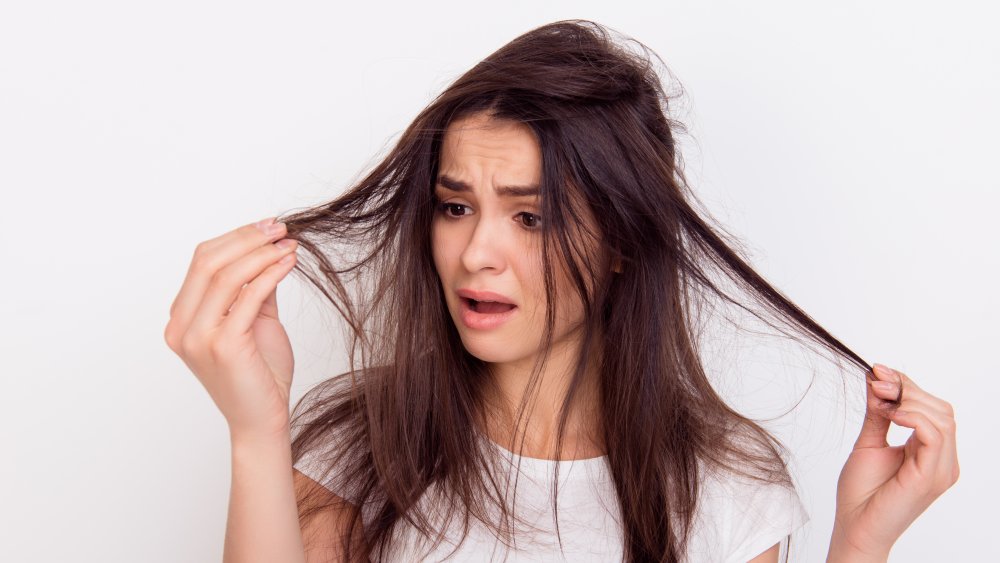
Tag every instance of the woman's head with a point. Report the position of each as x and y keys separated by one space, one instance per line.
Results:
x=572 y=111
x=487 y=235
x=569 y=111
x=565 y=109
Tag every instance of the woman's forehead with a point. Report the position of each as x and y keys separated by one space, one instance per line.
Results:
x=480 y=145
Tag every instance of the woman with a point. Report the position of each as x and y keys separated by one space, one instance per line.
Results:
x=524 y=272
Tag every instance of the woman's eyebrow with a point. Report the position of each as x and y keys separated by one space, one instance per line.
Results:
x=454 y=185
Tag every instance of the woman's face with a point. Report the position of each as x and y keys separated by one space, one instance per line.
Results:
x=486 y=237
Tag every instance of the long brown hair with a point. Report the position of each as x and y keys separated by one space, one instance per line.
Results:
x=406 y=415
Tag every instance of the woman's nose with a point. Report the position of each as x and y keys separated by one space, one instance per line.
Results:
x=485 y=248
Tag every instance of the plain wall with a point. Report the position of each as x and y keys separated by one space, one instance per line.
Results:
x=851 y=146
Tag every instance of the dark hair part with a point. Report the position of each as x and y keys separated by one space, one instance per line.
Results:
x=410 y=408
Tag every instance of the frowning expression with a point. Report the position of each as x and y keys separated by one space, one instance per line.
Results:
x=486 y=237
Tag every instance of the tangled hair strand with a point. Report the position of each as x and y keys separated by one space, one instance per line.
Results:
x=407 y=413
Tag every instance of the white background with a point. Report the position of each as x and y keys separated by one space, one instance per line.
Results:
x=853 y=146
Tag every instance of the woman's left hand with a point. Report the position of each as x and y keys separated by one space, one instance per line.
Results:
x=883 y=488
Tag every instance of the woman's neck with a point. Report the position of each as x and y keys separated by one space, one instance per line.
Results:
x=539 y=423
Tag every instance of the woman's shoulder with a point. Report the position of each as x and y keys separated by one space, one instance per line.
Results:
x=329 y=442
x=738 y=516
x=336 y=395
x=724 y=489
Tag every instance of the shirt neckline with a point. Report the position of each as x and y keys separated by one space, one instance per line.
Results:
x=586 y=460
x=541 y=470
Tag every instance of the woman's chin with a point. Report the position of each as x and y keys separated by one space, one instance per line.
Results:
x=491 y=352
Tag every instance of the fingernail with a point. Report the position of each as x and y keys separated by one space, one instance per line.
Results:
x=263 y=224
x=274 y=228
x=883 y=371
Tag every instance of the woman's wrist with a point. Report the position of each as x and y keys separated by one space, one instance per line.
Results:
x=269 y=429
x=842 y=551
x=253 y=440
x=844 y=555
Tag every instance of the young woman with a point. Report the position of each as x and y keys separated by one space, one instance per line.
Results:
x=523 y=276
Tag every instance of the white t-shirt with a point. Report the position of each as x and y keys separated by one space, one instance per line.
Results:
x=737 y=518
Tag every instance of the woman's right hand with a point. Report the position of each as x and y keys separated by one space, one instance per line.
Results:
x=224 y=325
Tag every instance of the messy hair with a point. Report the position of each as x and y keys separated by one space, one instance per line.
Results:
x=408 y=414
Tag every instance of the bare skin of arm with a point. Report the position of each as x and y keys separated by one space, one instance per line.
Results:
x=266 y=498
x=224 y=325
x=263 y=518
x=325 y=532
x=769 y=556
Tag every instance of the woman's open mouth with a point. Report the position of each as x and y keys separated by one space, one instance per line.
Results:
x=484 y=315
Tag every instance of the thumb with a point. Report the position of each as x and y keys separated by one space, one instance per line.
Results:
x=875 y=428
x=269 y=308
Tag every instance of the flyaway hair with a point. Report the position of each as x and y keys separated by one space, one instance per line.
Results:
x=408 y=416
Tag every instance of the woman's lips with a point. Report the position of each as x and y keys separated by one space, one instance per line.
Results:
x=484 y=295
x=477 y=320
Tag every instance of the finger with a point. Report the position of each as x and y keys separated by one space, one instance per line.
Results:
x=210 y=257
x=914 y=391
x=264 y=225
x=910 y=390
x=259 y=292
x=945 y=426
x=227 y=283
x=885 y=390
x=875 y=427
x=930 y=440
x=940 y=413
x=205 y=246
x=269 y=308
x=888 y=391
x=883 y=374
x=207 y=259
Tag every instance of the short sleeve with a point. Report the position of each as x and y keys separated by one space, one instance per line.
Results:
x=314 y=467
x=324 y=457
x=762 y=515
x=740 y=518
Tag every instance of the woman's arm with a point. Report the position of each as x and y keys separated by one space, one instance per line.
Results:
x=224 y=325
x=769 y=556
x=263 y=522
x=329 y=525
x=883 y=488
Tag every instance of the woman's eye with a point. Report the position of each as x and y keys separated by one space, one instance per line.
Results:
x=455 y=210
x=530 y=220
x=446 y=207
